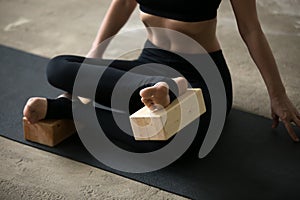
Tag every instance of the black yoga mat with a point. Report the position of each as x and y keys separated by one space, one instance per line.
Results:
x=250 y=161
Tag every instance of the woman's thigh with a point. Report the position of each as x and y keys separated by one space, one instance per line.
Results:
x=62 y=70
x=105 y=74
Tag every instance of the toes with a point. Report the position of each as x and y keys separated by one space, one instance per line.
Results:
x=155 y=95
x=158 y=90
x=148 y=92
x=148 y=102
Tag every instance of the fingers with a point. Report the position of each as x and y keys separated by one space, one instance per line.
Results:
x=282 y=109
x=298 y=116
x=297 y=121
x=275 y=120
x=290 y=130
x=287 y=124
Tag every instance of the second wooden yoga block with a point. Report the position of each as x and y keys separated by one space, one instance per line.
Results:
x=163 y=124
x=48 y=132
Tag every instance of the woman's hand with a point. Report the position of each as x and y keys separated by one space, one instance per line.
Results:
x=283 y=109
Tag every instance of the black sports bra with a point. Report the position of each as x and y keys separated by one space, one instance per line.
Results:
x=182 y=10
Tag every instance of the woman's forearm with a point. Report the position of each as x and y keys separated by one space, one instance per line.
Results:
x=115 y=18
x=262 y=55
x=252 y=34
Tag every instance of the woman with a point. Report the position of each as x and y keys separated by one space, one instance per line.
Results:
x=196 y=19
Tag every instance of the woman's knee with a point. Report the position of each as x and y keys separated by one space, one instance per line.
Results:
x=53 y=69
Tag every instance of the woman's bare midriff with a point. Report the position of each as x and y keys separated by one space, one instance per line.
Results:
x=164 y=34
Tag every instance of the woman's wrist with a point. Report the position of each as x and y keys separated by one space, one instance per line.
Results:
x=95 y=52
x=278 y=94
x=95 y=45
x=275 y=88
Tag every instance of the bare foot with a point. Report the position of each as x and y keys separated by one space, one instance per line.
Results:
x=157 y=96
x=35 y=109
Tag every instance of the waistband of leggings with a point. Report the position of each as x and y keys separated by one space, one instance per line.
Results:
x=149 y=45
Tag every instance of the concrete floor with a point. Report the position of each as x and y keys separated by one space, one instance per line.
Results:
x=49 y=28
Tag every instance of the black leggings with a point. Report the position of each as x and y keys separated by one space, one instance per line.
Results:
x=62 y=71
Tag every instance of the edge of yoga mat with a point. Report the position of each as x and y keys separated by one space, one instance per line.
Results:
x=249 y=161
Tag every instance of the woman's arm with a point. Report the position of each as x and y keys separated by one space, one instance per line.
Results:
x=260 y=51
x=115 y=18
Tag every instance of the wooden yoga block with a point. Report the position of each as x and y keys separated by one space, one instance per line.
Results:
x=48 y=132
x=163 y=124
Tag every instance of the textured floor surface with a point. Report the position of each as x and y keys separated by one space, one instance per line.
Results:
x=56 y=27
